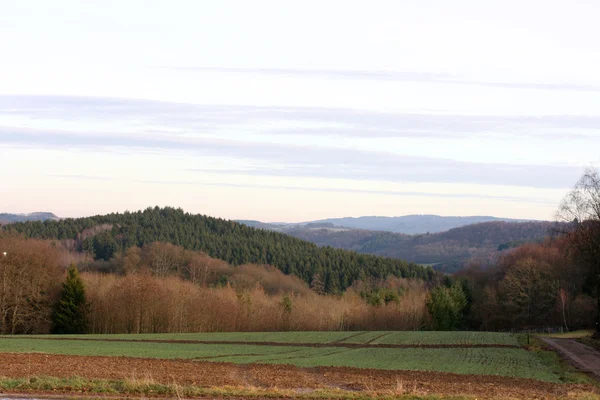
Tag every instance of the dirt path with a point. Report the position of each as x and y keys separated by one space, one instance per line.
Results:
x=582 y=356
x=285 y=344
x=211 y=374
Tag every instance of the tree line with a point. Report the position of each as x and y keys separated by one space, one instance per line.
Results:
x=106 y=237
x=554 y=283
x=165 y=288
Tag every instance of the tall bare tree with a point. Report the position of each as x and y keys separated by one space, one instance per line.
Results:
x=581 y=208
x=29 y=280
x=529 y=292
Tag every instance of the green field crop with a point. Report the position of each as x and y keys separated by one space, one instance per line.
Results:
x=490 y=361
x=275 y=337
x=433 y=338
x=402 y=338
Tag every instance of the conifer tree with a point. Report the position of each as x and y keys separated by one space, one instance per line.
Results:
x=70 y=314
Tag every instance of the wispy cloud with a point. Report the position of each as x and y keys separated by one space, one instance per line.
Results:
x=150 y=126
x=163 y=117
x=401 y=76
x=308 y=188
x=308 y=161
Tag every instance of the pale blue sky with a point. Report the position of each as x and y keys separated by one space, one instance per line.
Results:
x=294 y=111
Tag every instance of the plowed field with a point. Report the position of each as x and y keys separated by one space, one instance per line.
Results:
x=211 y=374
x=484 y=359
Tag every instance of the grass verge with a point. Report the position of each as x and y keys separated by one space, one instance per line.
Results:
x=569 y=335
x=81 y=387
x=555 y=363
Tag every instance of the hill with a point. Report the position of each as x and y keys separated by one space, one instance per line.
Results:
x=104 y=236
x=6 y=218
x=411 y=224
x=447 y=251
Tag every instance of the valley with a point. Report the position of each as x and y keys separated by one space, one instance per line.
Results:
x=446 y=251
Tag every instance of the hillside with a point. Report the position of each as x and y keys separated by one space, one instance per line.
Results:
x=105 y=236
x=448 y=251
x=6 y=218
x=411 y=224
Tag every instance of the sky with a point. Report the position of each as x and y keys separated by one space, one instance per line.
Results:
x=296 y=111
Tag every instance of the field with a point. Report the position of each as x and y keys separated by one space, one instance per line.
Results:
x=294 y=359
x=399 y=338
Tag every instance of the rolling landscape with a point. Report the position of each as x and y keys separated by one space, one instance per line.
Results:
x=152 y=285
x=448 y=251
x=316 y=200
x=408 y=224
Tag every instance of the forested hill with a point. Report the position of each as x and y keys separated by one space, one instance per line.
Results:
x=104 y=236
x=447 y=251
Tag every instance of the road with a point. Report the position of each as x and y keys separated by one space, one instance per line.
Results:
x=580 y=355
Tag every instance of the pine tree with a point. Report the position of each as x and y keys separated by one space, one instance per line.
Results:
x=71 y=311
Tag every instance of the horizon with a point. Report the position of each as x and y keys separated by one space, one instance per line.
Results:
x=393 y=109
x=281 y=222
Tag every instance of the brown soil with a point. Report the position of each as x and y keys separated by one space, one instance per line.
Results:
x=211 y=374
x=582 y=356
x=368 y=344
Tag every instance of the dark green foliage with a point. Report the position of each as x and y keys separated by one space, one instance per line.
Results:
x=102 y=246
x=70 y=313
x=105 y=246
x=88 y=246
x=227 y=240
x=379 y=296
x=447 y=305
x=468 y=291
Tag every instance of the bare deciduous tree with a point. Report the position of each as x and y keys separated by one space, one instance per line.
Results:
x=563 y=299
x=30 y=278
x=581 y=207
x=529 y=292
x=163 y=258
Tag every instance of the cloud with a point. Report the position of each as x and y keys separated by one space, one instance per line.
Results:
x=402 y=76
x=307 y=161
x=150 y=126
x=164 y=117
x=310 y=188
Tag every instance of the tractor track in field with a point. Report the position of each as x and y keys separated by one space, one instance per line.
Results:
x=370 y=342
x=267 y=376
x=284 y=344
x=349 y=337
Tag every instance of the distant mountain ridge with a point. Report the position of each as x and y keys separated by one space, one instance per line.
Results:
x=411 y=224
x=6 y=218
x=448 y=250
